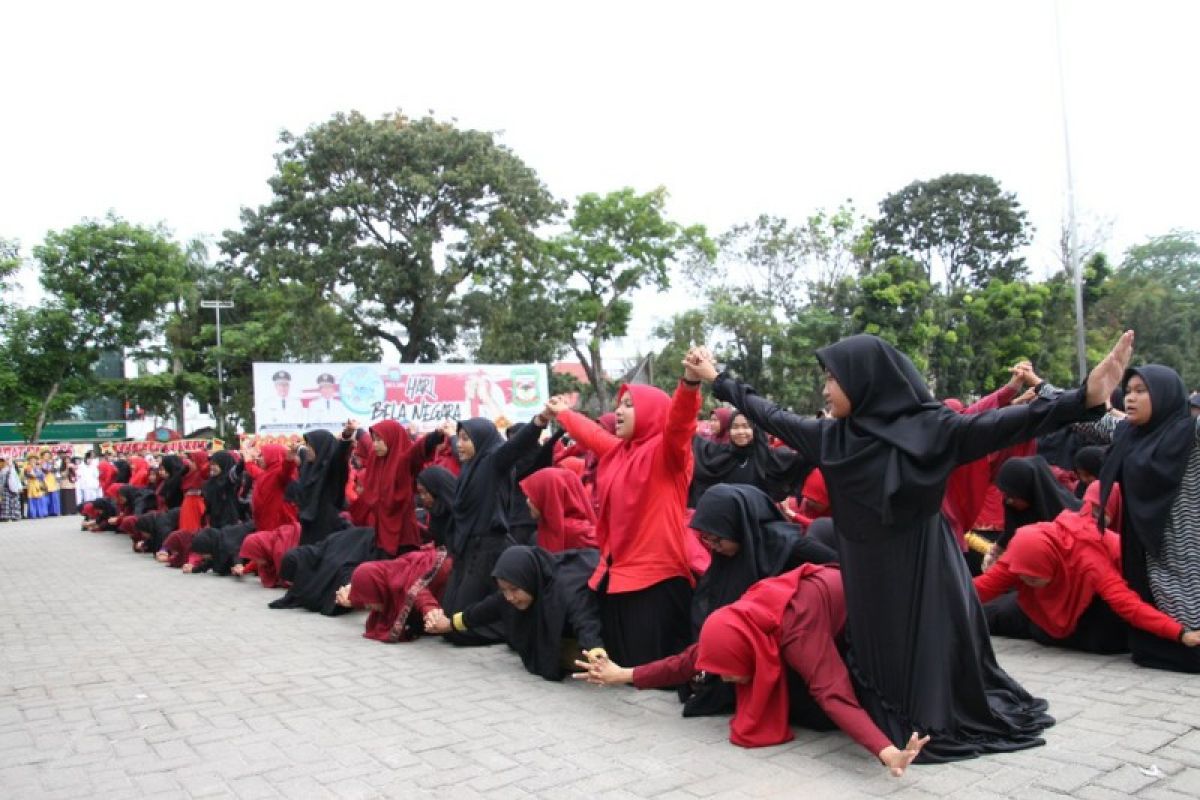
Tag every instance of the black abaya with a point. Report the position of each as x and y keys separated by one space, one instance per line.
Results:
x=317 y=571
x=918 y=643
x=322 y=490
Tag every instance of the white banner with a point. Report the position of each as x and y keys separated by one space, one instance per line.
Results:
x=293 y=398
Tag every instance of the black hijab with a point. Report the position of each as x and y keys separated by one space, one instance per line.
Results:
x=220 y=491
x=223 y=544
x=890 y=455
x=137 y=501
x=480 y=495
x=317 y=571
x=322 y=480
x=1030 y=479
x=439 y=482
x=170 y=488
x=777 y=470
x=746 y=515
x=123 y=471
x=1090 y=459
x=1148 y=461
x=559 y=586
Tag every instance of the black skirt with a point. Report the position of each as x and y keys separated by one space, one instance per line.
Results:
x=1150 y=650
x=919 y=651
x=649 y=624
x=471 y=581
x=1099 y=629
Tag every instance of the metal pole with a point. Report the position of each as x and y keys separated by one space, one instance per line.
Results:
x=1072 y=233
x=217 y=305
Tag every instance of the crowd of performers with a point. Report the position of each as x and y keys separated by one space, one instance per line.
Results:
x=788 y=570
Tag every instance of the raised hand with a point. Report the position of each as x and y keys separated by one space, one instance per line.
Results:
x=897 y=760
x=701 y=363
x=1107 y=375
x=554 y=405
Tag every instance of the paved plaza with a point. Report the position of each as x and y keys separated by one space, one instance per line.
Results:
x=122 y=678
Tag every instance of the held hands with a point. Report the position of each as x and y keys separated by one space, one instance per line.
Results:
x=437 y=622
x=238 y=570
x=342 y=598
x=897 y=760
x=554 y=405
x=1106 y=375
x=601 y=671
x=699 y=365
x=1191 y=638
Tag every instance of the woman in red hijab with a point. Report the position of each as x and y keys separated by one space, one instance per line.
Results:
x=562 y=508
x=1069 y=588
x=399 y=593
x=276 y=468
x=139 y=472
x=191 y=513
x=644 y=578
x=391 y=461
x=266 y=549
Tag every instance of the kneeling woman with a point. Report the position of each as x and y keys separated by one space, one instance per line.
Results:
x=218 y=549
x=318 y=571
x=400 y=593
x=546 y=608
x=266 y=549
x=1069 y=589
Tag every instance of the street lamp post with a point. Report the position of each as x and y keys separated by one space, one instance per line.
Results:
x=217 y=305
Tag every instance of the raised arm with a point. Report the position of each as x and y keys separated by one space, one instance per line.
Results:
x=523 y=442
x=586 y=431
x=801 y=434
x=681 y=425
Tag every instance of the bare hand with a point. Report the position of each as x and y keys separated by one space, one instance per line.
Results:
x=436 y=622
x=702 y=364
x=187 y=569
x=1191 y=638
x=449 y=428
x=555 y=405
x=1107 y=375
x=348 y=431
x=342 y=598
x=1025 y=399
x=601 y=671
x=162 y=557
x=238 y=570
x=897 y=760
x=989 y=560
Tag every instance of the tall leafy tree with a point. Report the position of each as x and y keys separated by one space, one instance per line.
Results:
x=964 y=229
x=616 y=244
x=387 y=219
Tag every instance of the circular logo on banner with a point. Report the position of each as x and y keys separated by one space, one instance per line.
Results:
x=361 y=388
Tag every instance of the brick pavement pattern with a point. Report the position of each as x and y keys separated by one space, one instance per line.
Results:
x=122 y=678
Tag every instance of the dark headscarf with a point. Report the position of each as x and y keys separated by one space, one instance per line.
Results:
x=322 y=480
x=1031 y=480
x=559 y=586
x=478 y=506
x=137 y=501
x=1090 y=459
x=317 y=571
x=170 y=488
x=220 y=491
x=440 y=483
x=123 y=473
x=223 y=544
x=745 y=515
x=891 y=451
x=777 y=470
x=1148 y=461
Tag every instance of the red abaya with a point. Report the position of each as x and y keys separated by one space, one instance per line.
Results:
x=567 y=520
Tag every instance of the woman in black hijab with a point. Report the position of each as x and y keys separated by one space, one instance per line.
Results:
x=481 y=498
x=124 y=471
x=435 y=490
x=322 y=489
x=221 y=546
x=1155 y=458
x=221 y=490
x=886 y=455
x=1088 y=462
x=319 y=571
x=136 y=501
x=746 y=458
x=170 y=488
x=544 y=606
x=1031 y=494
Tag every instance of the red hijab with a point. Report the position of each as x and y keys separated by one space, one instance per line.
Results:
x=266 y=548
x=627 y=467
x=1068 y=552
x=394 y=585
x=178 y=546
x=107 y=472
x=198 y=474
x=743 y=639
x=270 y=508
x=139 y=472
x=724 y=417
x=113 y=492
x=816 y=491
x=1112 y=509
x=567 y=520
x=575 y=465
x=387 y=488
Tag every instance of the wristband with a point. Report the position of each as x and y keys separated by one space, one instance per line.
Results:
x=690 y=383
x=596 y=652
x=457 y=621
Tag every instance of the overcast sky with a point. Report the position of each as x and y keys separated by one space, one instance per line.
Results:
x=170 y=111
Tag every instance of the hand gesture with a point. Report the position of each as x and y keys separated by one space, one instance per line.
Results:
x=436 y=622
x=554 y=405
x=350 y=429
x=897 y=760
x=342 y=598
x=1108 y=373
x=701 y=363
x=449 y=428
x=601 y=671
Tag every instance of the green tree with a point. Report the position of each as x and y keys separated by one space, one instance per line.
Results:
x=962 y=226
x=617 y=243
x=49 y=371
x=386 y=220
x=680 y=333
x=895 y=303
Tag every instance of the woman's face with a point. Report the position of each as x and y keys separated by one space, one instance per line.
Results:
x=720 y=545
x=517 y=597
x=466 y=448
x=1138 y=407
x=533 y=510
x=380 y=445
x=625 y=416
x=214 y=470
x=427 y=499
x=835 y=398
x=741 y=432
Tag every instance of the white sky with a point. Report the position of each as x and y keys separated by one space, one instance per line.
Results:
x=170 y=111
